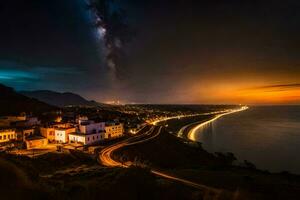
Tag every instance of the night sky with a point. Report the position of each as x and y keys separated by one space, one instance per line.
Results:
x=214 y=51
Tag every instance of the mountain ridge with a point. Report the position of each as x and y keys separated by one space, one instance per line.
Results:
x=12 y=102
x=60 y=99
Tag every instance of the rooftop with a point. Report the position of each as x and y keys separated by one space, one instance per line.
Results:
x=83 y=134
x=112 y=123
x=36 y=137
x=63 y=128
x=6 y=129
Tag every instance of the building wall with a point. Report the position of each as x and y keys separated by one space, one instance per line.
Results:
x=7 y=135
x=48 y=133
x=77 y=139
x=36 y=143
x=92 y=128
x=114 y=131
x=62 y=135
x=93 y=138
x=87 y=139
x=27 y=132
x=22 y=134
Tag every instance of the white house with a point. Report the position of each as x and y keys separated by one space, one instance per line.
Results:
x=90 y=132
x=62 y=134
x=86 y=139
x=89 y=127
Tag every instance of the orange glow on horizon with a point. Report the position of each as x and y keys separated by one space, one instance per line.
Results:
x=263 y=95
x=270 y=96
x=249 y=93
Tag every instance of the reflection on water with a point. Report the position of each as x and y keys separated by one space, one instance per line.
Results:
x=208 y=134
x=269 y=137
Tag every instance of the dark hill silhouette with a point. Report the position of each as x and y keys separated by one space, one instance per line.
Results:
x=12 y=102
x=59 y=99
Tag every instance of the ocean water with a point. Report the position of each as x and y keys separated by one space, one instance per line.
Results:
x=267 y=136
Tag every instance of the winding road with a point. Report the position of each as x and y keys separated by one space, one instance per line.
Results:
x=106 y=159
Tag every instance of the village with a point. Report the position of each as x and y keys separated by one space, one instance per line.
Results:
x=82 y=128
x=27 y=135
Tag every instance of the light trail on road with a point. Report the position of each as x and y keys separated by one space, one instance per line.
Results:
x=192 y=133
x=186 y=182
x=107 y=160
x=155 y=122
x=222 y=112
x=105 y=154
x=174 y=117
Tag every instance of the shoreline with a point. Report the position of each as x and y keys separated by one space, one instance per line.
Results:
x=189 y=131
x=191 y=162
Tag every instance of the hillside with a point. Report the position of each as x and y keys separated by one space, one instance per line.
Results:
x=12 y=102
x=59 y=99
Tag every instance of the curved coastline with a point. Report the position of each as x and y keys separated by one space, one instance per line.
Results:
x=189 y=131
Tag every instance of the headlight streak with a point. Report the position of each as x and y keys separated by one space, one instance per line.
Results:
x=193 y=132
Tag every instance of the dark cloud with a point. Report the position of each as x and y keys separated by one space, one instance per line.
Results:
x=279 y=86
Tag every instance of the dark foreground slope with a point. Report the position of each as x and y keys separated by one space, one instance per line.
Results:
x=190 y=161
x=23 y=178
x=60 y=176
x=12 y=103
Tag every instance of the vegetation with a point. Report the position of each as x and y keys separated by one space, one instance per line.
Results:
x=23 y=175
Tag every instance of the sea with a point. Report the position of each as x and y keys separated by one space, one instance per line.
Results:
x=267 y=136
